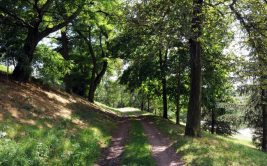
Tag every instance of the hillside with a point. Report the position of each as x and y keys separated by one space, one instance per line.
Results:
x=40 y=127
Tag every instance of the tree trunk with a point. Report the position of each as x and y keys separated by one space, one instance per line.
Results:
x=213 y=121
x=64 y=50
x=194 y=107
x=264 y=119
x=23 y=70
x=164 y=98
x=164 y=84
x=92 y=87
x=95 y=81
x=178 y=94
x=177 y=113
x=142 y=104
x=148 y=104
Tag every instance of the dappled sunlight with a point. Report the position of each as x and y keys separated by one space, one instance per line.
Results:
x=159 y=149
x=64 y=112
x=59 y=98
x=54 y=124
x=27 y=103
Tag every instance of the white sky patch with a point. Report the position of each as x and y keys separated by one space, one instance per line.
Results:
x=237 y=46
x=48 y=40
x=239 y=49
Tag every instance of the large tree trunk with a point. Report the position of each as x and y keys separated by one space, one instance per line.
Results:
x=264 y=119
x=164 y=84
x=194 y=107
x=23 y=70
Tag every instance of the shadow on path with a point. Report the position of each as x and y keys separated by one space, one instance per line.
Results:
x=163 y=150
x=111 y=156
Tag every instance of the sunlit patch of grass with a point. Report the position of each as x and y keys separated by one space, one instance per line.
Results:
x=4 y=69
x=137 y=150
x=211 y=149
x=63 y=144
x=125 y=112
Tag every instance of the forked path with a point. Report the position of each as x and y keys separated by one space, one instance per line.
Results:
x=162 y=151
x=162 y=148
x=112 y=155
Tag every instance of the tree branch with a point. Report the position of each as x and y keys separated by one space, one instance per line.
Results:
x=13 y=15
x=89 y=43
x=47 y=31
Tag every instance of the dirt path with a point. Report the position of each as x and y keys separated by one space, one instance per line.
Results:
x=112 y=155
x=162 y=150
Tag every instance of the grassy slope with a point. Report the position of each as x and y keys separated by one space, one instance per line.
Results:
x=39 y=127
x=137 y=150
x=211 y=149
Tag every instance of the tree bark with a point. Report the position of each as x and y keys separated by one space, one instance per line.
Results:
x=177 y=113
x=178 y=93
x=213 y=121
x=95 y=78
x=264 y=119
x=164 y=83
x=142 y=103
x=193 y=127
x=64 y=49
x=148 y=103
x=92 y=87
x=95 y=81
x=23 y=70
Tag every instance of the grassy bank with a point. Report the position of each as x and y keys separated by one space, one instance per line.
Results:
x=40 y=127
x=137 y=150
x=211 y=150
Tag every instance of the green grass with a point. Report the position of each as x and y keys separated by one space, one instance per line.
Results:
x=3 y=68
x=125 y=112
x=211 y=150
x=137 y=150
x=63 y=143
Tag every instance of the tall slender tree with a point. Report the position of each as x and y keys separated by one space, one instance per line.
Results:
x=194 y=108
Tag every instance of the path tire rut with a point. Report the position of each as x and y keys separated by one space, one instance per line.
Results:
x=162 y=148
x=111 y=156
